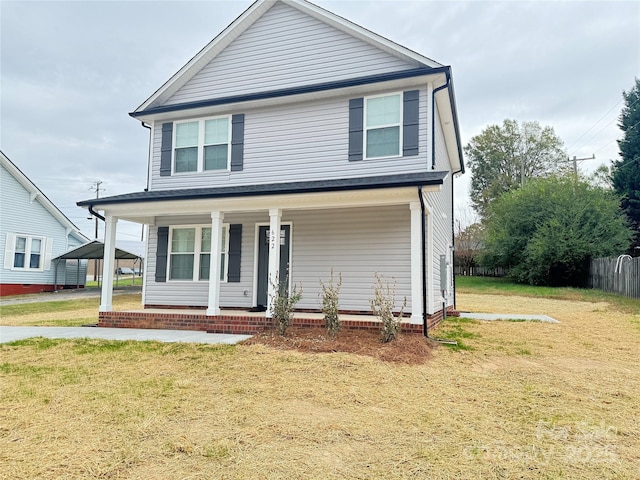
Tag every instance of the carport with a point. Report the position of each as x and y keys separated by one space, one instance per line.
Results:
x=90 y=251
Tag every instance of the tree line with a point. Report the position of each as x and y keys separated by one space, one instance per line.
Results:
x=540 y=219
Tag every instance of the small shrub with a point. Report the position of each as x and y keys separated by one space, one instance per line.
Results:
x=283 y=304
x=330 y=304
x=383 y=304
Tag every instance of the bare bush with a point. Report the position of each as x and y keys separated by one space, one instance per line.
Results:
x=283 y=305
x=383 y=305
x=331 y=303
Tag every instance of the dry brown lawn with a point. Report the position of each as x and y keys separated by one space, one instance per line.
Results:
x=525 y=400
x=63 y=313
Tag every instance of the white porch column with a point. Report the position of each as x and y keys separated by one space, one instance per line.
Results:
x=213 y=307
x=275 y=216
x=416 y=262
x=108 y=264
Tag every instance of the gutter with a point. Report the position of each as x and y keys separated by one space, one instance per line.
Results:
x=433 y=117
x=449 y=86
x=149 y=155
x=423 y=258
x=95 y=214
x=286 y=92
x=454 y=111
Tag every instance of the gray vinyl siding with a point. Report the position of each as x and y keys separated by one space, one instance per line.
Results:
x=286 y=48
x=356 y=242
x=441 y=203
x=296 y=142
x=20 y=215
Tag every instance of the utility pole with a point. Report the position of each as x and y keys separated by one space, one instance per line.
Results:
x=96 y=187
x=575 y=163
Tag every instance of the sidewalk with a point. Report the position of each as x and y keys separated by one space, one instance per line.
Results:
x=11 y=334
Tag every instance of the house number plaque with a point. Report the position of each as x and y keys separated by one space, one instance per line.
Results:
x=272 y=239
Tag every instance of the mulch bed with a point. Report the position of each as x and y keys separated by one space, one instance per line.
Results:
x=409 y=349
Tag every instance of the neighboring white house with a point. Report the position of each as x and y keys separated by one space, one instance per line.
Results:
x=296 y=121
x=32 y=232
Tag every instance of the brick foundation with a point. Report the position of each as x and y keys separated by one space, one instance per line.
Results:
x=238 y=324
x=7 y=289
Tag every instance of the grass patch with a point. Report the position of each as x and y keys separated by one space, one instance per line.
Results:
x=123 y=281
x=503 y=286
x=453 y=328
x=22 y=309
x=63 y=313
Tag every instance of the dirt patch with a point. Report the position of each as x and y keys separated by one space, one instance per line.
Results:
x=409 y=349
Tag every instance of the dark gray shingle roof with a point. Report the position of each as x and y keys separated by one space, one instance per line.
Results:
x=314 y=186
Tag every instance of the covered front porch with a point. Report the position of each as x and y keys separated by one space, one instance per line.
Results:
x=382 y=225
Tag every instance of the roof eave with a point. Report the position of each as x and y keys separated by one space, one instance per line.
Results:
x=433 y=178
x=423 y=73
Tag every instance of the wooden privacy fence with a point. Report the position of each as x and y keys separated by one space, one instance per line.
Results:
x=619 y=275
x=475 y=271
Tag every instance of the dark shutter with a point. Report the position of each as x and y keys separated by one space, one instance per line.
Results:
x=235 y=247
x=165 y=149
x=410 y=123
x=237 y=142
x=356 y=122
x=161 y=254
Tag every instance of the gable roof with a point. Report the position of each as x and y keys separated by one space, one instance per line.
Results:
x=36 y=194
x=248 y=18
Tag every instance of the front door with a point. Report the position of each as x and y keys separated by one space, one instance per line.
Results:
x=263 y=260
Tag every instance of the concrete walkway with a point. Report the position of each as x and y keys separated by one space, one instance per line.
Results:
x=508 y=316
x=11 y=334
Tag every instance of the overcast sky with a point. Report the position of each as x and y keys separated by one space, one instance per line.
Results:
x=72 y=71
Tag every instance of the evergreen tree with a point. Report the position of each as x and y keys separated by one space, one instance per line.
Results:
x=626 y=172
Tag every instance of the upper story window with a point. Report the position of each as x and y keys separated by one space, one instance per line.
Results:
x=190 y=253
x=28 y=253
x=202 y=145
x=382 y=125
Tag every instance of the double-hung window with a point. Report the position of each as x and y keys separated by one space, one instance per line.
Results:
x=27 y=253
x=202 y=145
x=382 y=125
x=190 y=253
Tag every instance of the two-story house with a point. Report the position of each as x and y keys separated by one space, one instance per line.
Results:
x=294 y=143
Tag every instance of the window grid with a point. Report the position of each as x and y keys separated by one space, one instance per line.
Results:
x=202 y=145
x=28 y=252
x=383 y=125
x=194 y=264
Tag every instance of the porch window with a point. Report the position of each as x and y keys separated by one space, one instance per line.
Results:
x=190 y=253
x=202 y=145
x=383 y=117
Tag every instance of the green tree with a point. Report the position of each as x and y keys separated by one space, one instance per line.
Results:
x=503 y=157
x=546 y=232
x=626 y=172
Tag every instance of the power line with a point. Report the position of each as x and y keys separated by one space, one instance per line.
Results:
x=599 y=131
x=592 y=126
